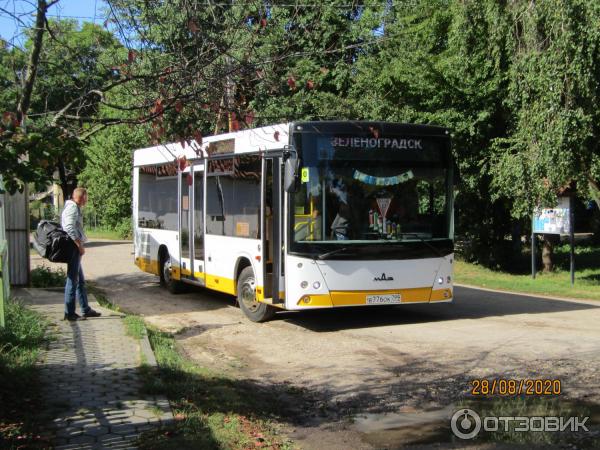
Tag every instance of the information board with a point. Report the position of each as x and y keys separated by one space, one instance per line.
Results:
x=553 y=220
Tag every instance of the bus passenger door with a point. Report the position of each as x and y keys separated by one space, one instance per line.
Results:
x=198 y=227
x=191 y=228
x=185 y=222
x=272 y=225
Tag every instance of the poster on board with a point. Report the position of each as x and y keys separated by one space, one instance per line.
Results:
x=553 y=220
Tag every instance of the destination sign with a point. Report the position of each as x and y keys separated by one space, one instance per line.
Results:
x=378 y=143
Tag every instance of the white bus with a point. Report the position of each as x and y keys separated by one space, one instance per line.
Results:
x=301 y=216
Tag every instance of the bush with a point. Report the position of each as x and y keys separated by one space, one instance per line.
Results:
x=44 y=277
x=124 y=228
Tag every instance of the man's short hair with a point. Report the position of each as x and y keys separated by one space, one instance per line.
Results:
x=79 y=192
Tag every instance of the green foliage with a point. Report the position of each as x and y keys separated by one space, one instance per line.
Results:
x=45 y=147
x=107 y=175
x=134 y=326
x=310 y=53
x=516 y=83
x=44 y=277
x=554 y=104
x=20 y=344
x=74 y=62
x=444 y=63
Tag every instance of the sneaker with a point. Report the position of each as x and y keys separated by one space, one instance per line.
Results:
x=72 y=317
x=92 y=313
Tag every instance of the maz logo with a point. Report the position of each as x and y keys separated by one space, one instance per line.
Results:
x=383 y=277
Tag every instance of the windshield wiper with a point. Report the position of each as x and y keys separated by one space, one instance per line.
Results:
x=437 y=251
x=332 y=252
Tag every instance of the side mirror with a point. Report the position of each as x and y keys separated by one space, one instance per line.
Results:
x=290 y=178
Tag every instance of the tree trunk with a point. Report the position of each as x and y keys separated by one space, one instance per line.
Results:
x=66 y=187
x=595 y=191
x=547 y=251
x=34 y=58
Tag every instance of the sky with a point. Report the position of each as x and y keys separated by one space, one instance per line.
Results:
x=81 y=10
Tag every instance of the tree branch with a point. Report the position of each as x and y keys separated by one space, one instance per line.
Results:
x=34 y=58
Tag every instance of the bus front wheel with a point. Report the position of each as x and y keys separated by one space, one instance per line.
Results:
x=166 y=275
x=246 y=297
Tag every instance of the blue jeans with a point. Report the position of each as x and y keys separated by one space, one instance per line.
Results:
x=75 y=287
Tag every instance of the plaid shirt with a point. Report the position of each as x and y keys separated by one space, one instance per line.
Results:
x=72 y=221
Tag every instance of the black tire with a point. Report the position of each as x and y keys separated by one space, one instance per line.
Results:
x=166 y=281
x=246 y=297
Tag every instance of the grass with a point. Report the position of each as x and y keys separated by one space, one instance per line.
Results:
x=212 y=410
x=45 y=277
x=20 y=398
x=556 y=283
x=134 y=326
x=103 y=233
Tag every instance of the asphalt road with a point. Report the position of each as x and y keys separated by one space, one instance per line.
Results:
x=361 y=366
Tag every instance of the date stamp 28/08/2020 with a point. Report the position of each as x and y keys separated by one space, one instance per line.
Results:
x=510 y=387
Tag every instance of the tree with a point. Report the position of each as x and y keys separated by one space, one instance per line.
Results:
x=72 y=64
x=554 y=101
x=107 y=174
x=555 y=105
x=444 y=63
x=306 y=59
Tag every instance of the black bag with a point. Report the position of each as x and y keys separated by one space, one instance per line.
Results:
x=53 y=243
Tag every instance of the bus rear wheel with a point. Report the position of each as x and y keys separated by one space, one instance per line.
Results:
x=246 y=297
x=166 y=272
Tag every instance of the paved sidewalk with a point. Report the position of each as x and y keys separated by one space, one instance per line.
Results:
x=91 y=381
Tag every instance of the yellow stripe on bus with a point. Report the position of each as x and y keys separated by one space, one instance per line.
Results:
x=221 y=284
x=352 y=298
x=441 y=295
x=147 y=265
x=335 y=298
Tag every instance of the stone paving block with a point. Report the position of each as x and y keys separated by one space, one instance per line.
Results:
x=111 y=441
x=69 y=432
x=148 y=413
x=123 y=429
x=91 y=382
x=136 y=420
x=82 y=440
x=95 y=430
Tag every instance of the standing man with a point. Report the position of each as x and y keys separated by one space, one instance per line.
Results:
x=72 y=223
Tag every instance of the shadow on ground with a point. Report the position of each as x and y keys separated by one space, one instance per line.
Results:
x=96 y=243
x=141 y=293
x=468 y=304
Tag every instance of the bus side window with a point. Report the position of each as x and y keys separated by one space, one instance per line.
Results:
x=233 y=197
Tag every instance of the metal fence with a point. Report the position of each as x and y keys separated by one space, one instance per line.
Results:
x=49 y=212
x=4 y=278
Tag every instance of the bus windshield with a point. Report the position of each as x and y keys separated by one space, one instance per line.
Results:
x=357 y=190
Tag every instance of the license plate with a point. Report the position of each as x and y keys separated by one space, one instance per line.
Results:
x=386 y=299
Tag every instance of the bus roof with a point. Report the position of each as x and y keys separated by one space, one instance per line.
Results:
x=244 y=141
x=270 y=138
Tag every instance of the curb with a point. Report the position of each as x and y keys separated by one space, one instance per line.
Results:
x=147 y=352
x=529 y=294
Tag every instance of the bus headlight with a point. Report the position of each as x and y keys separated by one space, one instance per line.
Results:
x=316 y=284
x=449 y=279
x=304 y=284
x=440 y=280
